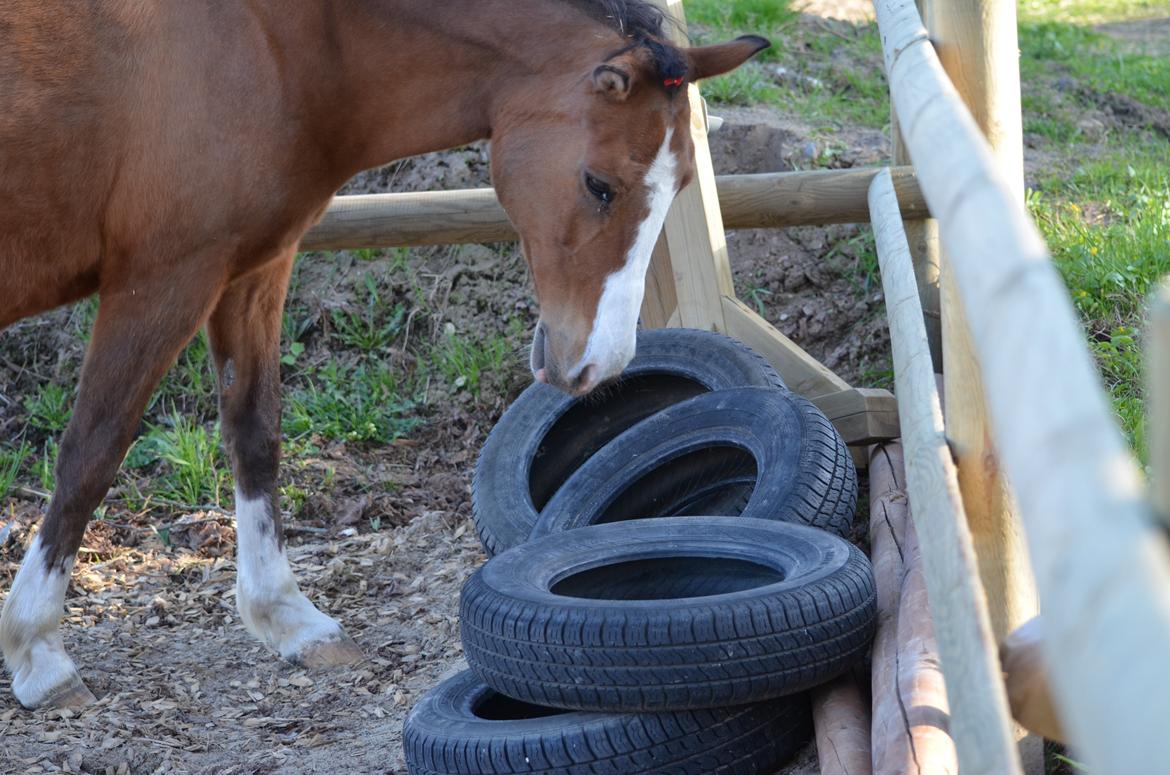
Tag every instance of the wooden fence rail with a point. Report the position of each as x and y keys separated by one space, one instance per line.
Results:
x=978 y=704
x=1102 y=570
x=765 y=200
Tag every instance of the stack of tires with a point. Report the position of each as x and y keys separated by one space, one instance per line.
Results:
x=668 y=578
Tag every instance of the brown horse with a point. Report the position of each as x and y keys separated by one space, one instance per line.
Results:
x=168 y=156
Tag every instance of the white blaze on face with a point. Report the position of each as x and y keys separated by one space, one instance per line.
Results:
x=29 y=632
x=267 y=597
x=613 y=338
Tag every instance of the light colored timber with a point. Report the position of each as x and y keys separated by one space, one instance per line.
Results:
x=841 y=720
x=1158 y=398
x=921 y=686
x=976 y=43
x=693 y=246
x=1025 y=676
x=766 y=200
x=887 y=523
x=922 y=234
x=980 y=724
x=1102 y=569
x=862 y=415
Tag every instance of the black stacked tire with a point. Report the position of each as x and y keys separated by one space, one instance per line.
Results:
x=463 y=727
x=795 y=465
x=546 y=435
x=668 y=614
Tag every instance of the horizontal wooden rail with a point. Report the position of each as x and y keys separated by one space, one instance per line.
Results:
x=767 y=200
x=1102 y=570
x=980 y=722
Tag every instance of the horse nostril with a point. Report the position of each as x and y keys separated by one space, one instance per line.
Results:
x=586 y=380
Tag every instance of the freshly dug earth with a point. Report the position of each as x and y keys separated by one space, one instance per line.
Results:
x=383 y=539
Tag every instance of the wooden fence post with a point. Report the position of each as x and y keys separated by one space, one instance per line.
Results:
x=976 y=41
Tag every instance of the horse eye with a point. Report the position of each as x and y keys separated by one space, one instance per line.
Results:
x=599 y=188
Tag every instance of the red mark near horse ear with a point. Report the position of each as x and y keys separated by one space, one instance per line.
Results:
x=673 y=82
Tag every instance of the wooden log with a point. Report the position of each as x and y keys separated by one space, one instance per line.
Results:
x=887 y=517
x=842 y=722
x=769 y=200
x=1089 y=527
x=911 y=715
x=980 y=723
x=1025 y=676
x=921 y=686
x=1158 y=398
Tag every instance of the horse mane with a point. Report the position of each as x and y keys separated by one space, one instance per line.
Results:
x=644 y=25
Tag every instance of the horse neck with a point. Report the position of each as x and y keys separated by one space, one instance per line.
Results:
x=412 y=76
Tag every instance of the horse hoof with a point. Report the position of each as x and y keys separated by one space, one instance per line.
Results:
x=334 y=652
x=73 y=694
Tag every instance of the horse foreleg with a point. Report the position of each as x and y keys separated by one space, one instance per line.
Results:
x=244 y=331
x=136 y=337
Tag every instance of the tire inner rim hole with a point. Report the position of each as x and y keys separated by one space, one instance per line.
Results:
x=595 y=420
x=667 y=578
x=493 y=706
x=715 y=481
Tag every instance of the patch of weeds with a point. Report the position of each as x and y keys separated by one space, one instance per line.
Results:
x=11 y=462
x=1108 y=227
x=1090 y=11
x=190 y=384
x=747 y=85
x=293 y=498
x=194 y=471
x=756 y=17
x=45 y=466
x=49 y=410
x=358 y=403
x=371 y=328
x=463 y=361
x=757 y=295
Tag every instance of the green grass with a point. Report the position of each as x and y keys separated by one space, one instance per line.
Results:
x=463 y=361
x=758 y=17
x=12 y=461
x=371 y=328
x=1108 y=227
x=49 y=409
x=359 y=403
x=194 y=470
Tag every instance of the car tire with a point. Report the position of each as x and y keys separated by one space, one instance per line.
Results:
x=772 y=450
x=545 y=435
x=463 y=727
x=675 y=613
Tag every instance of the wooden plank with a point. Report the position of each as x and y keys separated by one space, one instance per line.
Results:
x=862 y=415
x=693 y=247
x=1158 y=399
x=1089 y=527
x=800 y=371
x=765 y=200
x=976 y=42
x=980 y=723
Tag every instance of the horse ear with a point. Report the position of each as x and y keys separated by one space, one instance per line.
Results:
x=612 y=82
x=709 y=61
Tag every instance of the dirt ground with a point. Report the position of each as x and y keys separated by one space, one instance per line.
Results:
x=150 y=616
